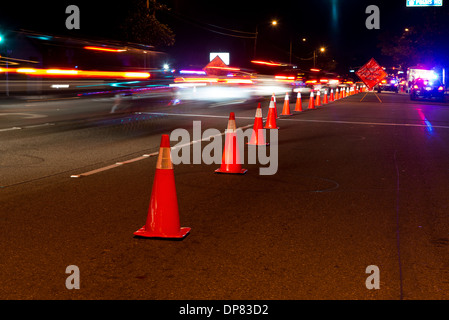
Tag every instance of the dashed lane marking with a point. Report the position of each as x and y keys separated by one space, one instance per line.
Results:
x=146 y=156
x=301 y=120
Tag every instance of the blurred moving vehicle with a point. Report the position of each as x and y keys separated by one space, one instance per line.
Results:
x=318 y=81
x=43 y=64
x=388 y=84
x=427 y=89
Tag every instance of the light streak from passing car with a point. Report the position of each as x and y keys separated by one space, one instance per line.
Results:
x=77 y=73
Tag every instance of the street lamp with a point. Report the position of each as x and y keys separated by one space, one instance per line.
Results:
x=322 y=49
x=273 y=23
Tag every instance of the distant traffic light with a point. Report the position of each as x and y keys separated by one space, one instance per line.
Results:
x=1 y=38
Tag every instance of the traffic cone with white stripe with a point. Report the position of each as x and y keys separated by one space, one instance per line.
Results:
x=163 y=216
x=271 y=118
x=275 y=107
x=230 y=162
x=325 y=100
x=298 y=104
x=286 y=109
x=318 y=99
x=311 y=102
x=331 y=96
x=257 y=137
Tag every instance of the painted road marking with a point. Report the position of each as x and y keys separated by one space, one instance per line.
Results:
x=27 y=127
x=25 y=115
x=95 y=171
x=367 y=123
x=10 y=129
x=192 y=115
x=146 y=156
x=301 y=120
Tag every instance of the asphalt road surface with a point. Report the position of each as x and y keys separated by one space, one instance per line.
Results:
x=359 y=184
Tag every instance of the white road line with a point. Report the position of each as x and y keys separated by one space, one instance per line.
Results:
x=24 y=115
x=366 y=123
x=95 y=171
x=226 y=103
x=27 y=127
x=10 y=129
x=304 y=120
x=146 y=156
x=39 y=125
x=193 y=115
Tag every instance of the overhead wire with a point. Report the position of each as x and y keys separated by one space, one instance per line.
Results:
x=198 y=24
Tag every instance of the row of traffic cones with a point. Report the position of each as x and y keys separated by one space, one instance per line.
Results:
x=163 y=215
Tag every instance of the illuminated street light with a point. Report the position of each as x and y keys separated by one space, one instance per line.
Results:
x=322 y=49
x=273 y=23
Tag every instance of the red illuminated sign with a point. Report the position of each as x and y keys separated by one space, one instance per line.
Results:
x=371 y=73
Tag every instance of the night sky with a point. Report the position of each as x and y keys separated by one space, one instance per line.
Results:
x=339 y=25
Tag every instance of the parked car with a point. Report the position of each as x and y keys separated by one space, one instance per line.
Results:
x=427 y=89
x=388 y=84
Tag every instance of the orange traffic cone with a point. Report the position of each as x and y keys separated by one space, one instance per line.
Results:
x=257 y=138
x=163 y=217
x=331 y=96
x=298 y=105
x=337 y=94
x=230 y=162
x=271 y=118
x=311 y=102
x=318 y=99
x=325 y=100
x=286 y=109
x=275 y=107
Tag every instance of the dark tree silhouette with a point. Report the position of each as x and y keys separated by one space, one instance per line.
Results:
x=141 y=25
x=423 y=44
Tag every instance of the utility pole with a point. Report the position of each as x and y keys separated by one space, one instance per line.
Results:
x=291 y=50
x=255 y=41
